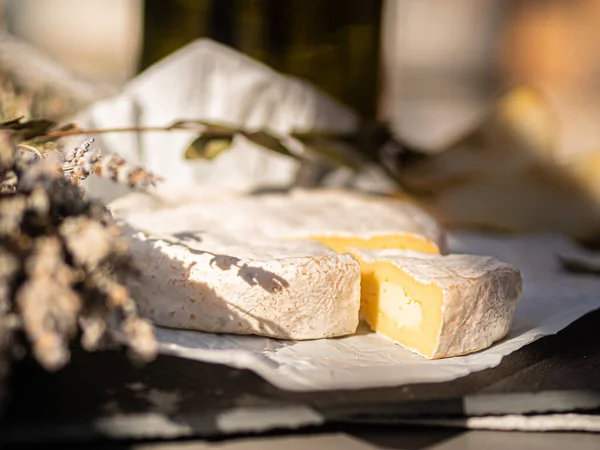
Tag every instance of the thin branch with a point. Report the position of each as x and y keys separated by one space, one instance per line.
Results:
x=209 y=131
x=175 y=127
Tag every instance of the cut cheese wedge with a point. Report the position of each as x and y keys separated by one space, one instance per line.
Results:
x=339 y=219
x=242 y=285
x=438 y=306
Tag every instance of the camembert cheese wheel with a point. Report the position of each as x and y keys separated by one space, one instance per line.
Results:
x=242 y=285
x=438 y=306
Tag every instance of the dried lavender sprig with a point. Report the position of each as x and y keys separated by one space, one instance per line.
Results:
x=78 y=151
x=47 y=303
x=81 y=163
x=83 y=166
x=117 y=169
x=69 y=257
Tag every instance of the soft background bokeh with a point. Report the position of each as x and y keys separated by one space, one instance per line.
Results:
x=435 y=65
x=97 y=38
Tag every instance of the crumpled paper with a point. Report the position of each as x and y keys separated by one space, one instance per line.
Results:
x=209 y=81
x=552 y=299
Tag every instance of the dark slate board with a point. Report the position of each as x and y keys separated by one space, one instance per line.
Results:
x=105 y=394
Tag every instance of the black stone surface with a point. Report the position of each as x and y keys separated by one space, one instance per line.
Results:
x=564 y=371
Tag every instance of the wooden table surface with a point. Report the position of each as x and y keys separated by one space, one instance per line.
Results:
x=104 y=394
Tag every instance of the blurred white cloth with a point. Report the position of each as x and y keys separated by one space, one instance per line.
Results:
x=208 y=81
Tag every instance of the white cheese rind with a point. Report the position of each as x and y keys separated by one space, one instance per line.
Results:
x=331 y=212
x=301 y=213
x=223 y=284
x=480 y=295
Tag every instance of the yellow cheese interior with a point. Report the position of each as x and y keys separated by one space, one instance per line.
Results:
x=401 y=308
x=381 y=242
x=394 y=304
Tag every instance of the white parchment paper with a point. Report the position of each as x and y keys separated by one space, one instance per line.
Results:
x=552 y=299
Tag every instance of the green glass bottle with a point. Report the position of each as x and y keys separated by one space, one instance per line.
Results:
x=332 y=43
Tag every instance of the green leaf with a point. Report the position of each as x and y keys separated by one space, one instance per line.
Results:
x=269 y=142
x=307 y=135
x=333 y=151
x=207 y=147
x=207 y=127
x=29 y=129
x=7 y=124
